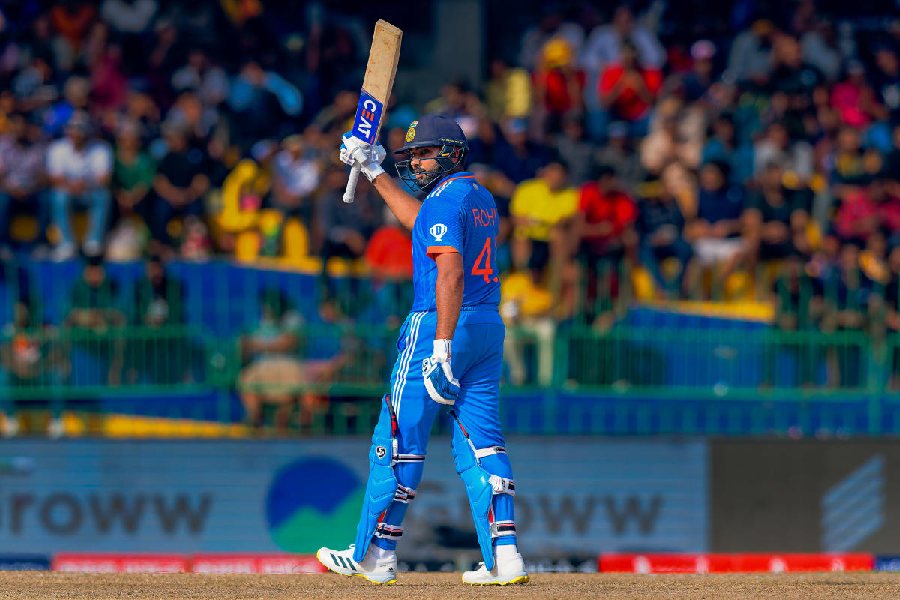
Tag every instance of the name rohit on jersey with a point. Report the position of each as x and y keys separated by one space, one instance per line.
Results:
x=484 y=217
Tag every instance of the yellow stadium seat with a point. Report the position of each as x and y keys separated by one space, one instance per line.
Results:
x=307 y=264
x=79 y=222
x=739 y=287
x=24 y=228
x=769 y=273
x=669 y=268
x=175 y=227
x=340 y=267
x=642 y=282
x=295 y=240
x=361 y=268
x=818 y=183
x=814 y=234
x=246 y=246
x=232 y=218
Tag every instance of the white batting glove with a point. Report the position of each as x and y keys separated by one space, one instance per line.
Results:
x=354 y=151
x=440 y=384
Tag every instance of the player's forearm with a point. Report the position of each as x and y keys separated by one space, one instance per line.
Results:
x=404 y=206
x=448 y=295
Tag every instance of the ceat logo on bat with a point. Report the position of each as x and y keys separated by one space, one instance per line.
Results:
x=368 y=115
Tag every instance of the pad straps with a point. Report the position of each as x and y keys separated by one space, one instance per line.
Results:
x=502 y=528
x=388 y=532
x=408 y=458
x=503 y=485
x=500 y=485
x=404 y=494
x=396 y=457
x=482 y=452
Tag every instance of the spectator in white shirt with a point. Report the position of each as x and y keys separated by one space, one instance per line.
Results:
x=604 y=45
x=79 y=168
x=603 y=48
x=552 y=25
x=199 y=74
x=751 y=54
x=794 y=156
x=128 y=16
x=295 y=176
x=130 y=22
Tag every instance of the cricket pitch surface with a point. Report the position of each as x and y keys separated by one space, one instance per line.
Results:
x=429 y=586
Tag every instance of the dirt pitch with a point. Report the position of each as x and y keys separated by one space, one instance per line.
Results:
x=430 y=586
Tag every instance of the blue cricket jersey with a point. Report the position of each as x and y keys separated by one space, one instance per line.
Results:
x=459 y=215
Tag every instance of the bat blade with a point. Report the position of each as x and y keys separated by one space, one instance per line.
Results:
x=376 y=90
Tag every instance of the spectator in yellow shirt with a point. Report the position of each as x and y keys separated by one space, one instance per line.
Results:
x=527 y=309
x=542 y=211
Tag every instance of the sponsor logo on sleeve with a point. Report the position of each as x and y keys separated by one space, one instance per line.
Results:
x=438 y=231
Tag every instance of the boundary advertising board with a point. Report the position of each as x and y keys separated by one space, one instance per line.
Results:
x=577 y=496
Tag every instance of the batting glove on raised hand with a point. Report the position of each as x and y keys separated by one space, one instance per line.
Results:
x=442 y=387
x=354 y=151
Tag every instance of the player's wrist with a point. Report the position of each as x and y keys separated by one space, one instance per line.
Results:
x=372 y=170
x=441 y=350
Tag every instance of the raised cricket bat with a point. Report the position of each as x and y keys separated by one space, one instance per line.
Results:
x=376 y=89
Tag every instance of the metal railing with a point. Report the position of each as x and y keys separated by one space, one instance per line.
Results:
x=582 y=374
x=186 y=373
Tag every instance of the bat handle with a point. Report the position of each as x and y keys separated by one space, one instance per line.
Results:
x=350 y=192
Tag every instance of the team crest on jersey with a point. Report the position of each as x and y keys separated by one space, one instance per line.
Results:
x=411 y=132
x=438 y=231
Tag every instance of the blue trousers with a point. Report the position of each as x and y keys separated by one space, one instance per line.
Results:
x=652 y=256
x=97 y=201
x=477 y=362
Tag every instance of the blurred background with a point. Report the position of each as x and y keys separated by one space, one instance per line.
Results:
x=700 y=257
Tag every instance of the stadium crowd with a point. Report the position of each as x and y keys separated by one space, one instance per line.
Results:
x=714 y=162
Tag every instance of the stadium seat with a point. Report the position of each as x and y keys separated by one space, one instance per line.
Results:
x=23 y=229
x=642 y=284
x=79 y=227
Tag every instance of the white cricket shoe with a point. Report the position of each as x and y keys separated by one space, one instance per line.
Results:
x=381 y=570
x=509 y=568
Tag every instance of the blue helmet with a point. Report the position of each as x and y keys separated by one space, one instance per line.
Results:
x=438 y=132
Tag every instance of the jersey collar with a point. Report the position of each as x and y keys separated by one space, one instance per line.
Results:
x=452 y=176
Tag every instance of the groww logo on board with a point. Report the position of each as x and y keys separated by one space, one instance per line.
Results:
x=438 y=231
x=302 y=518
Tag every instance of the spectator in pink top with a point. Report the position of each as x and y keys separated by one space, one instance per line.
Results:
x=109 y=87
x=859 y=215
x=855 y=99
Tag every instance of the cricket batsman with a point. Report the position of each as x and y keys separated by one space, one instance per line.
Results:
x=450 y=356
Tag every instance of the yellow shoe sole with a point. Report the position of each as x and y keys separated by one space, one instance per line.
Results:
x=522 y=579
x=327 y=566
x=388 y=582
